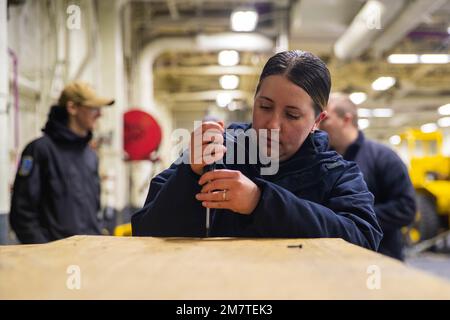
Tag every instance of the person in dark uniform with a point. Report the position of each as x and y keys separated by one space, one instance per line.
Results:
x=56 y=192
x=313 y=193
x=384 y=172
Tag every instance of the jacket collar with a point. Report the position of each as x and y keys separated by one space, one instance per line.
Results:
x=353 y=149
x=56 y=128
x=313 y=149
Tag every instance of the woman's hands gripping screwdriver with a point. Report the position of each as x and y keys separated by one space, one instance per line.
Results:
x=206 y=145
x=237 y=192
x=206 y=148
x=222 y=189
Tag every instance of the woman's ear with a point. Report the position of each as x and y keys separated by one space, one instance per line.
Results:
x=319 y=119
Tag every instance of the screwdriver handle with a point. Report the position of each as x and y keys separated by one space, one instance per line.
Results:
x=209 y=167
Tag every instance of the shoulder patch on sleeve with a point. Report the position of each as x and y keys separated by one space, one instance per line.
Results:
x=25 y=166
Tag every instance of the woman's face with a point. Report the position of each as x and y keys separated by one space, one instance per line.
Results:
x=281 y=104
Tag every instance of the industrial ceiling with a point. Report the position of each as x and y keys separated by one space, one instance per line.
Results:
x=188 y=80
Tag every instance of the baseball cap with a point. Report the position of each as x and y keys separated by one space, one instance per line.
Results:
x=82 y=93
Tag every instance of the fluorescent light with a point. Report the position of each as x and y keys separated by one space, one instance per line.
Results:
x=363 y=123
x=444 y=122
x=229 y=81
x=223 y=99
x=383 y=83
x=395 y=140
x=364 y=113
x=403 y=58
x=431 y=58
x=382 y=112
x=228 y=57
x=444 y=110
x=358 y=97
x=244 y=20
x=435 y=58
x=428 y=127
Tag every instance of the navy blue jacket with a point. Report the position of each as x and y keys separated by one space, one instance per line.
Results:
x=388 y=180
x=56 y=191
x=314 y=194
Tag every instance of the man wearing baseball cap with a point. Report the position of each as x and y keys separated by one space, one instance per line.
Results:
x=56 y=192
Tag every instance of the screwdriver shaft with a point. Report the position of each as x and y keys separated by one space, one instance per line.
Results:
x=207 y=221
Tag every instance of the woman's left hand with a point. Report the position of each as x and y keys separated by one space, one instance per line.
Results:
x=228 y=189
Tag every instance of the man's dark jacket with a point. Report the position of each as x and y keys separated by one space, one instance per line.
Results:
x=56 y=191
x=388 y=180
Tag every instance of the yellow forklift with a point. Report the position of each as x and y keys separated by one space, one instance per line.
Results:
x=429 y=170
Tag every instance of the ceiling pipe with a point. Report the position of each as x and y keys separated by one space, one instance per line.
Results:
x=409 y=19
x=144 y=95
x=368 y=24
x=209 y=95
x=209 y=70
x=91 y=41
x=173 y=10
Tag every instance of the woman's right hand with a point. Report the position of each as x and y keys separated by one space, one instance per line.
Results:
x=206 y=145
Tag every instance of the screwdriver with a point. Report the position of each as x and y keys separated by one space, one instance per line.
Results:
x=207 y=168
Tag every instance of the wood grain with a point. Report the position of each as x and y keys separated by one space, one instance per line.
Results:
x=174 y=268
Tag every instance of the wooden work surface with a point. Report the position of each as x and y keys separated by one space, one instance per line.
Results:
x=171 y=268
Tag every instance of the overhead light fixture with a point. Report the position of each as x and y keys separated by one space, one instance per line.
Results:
x=228 y=57
x=428 y=127
x=403 y=58
x=383 y=112
x=395 y=140
x=223 y=99
x=244 y=20
x=435 y=58
x=383 y=83
x=444 y=122
x=364 y=113
x=229 y=81
x=431 y=58
x=444 y=110
x=363 y=123
x=358 y=97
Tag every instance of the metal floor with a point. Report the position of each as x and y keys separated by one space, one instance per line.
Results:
x=436 y=263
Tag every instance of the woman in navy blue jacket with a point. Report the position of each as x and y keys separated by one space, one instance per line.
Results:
x=313 y=193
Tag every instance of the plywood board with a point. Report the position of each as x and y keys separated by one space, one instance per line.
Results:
x=173 y=268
